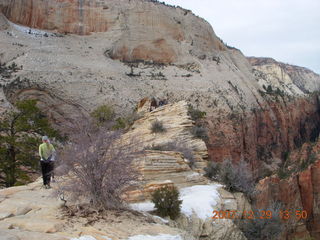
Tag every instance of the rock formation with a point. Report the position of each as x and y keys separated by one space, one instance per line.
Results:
x=4 y=25
x=140 y=26
x=167 y=167
x=301 y=80
x=32 y=212
x=264 y=135
x=118 y=52
x=297 y=187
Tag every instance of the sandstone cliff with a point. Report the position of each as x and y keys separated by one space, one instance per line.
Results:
x=301 y=80
x=145 y=30
x=297 y=187
x=257 y=113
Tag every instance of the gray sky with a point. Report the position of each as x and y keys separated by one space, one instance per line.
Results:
x=286 y=30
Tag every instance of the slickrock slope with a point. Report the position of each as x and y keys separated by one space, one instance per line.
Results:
x=32 y=213
x=144 y=30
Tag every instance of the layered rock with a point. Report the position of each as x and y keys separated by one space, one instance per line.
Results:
x=161 y=168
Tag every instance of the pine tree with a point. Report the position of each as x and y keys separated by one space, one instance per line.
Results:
x=19 y=139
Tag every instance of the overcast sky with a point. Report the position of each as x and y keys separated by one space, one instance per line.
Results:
x=286 y=30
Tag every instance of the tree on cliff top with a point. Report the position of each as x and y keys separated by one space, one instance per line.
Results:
x=19 y=139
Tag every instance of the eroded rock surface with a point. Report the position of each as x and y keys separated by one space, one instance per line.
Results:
x=146 y=30
x=167 y=167
x=298 y=79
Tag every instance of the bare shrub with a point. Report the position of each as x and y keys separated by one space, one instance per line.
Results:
x=200 y=132
x=100 y=166
x=267 y=228
x=212 y=170
x=157 y=127
x=236 y=177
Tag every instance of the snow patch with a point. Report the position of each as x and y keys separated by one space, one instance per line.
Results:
x=157 y=237
x=143 y=206
x=200 y=199
x=162 y=219
x=33 y=32
x=86 y=237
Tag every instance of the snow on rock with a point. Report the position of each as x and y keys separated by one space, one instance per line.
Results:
x=84 y=238
x=161 y=219
x=157 y=237
x=200 y=199
x=32 y=31
x=143 y=206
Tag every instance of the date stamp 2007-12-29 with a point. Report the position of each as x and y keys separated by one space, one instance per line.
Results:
x=260 y=214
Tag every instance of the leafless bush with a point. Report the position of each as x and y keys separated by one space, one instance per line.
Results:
x=267 y=228
x=200 y=132
x=236 y=177
x=212 y=170
x=100 y=166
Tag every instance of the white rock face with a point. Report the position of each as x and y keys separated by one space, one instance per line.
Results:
x=72 y=75
x=293 y=80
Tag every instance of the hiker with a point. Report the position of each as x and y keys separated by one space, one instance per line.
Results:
x=163 y=102
x=153 y=104
x=47 y=156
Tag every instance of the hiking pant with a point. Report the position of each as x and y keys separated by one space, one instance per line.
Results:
x=52 y=169
x=46 y=168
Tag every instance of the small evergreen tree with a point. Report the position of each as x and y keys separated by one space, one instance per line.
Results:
x=103 y=114
x=195 y=114
x=19 y=139
x=166 y=201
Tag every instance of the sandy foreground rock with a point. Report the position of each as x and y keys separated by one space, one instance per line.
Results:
x=31 y=212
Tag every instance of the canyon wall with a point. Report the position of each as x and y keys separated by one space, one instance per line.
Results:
x=297 y=188
x=263 y=136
